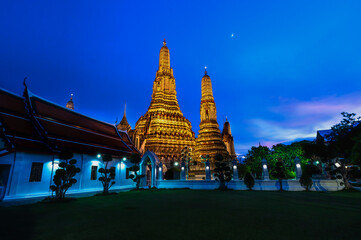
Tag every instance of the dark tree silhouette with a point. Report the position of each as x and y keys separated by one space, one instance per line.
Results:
x=280 y=172
x=222 y=171
x=107 y=174
x=64 y=175
x=136 y=177
x=249 y=180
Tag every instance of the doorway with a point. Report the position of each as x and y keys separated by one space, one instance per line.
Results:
x=4 y=177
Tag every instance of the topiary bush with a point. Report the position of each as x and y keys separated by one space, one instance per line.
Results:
x=64 y=175
x=249 y=180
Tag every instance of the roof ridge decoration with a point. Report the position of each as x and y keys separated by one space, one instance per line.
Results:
x=38 y=127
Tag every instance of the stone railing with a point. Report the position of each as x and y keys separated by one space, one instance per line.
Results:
x=260 y=185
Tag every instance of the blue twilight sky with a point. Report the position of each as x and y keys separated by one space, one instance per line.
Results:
x=290 y=68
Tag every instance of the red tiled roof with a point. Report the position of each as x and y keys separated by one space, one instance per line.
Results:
x=37 y=124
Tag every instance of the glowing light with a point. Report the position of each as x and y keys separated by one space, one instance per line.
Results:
x=182 y=168
x=95 y=163
x=317 y=162
x=265 y=166
x=298 y=165
x=124 y=158
x=337 y=164
x=122 y=165
x=234 y=167
x=176 y=164
x=98 y=156
x=232 y=35
x=160 y=169
x=207 y=167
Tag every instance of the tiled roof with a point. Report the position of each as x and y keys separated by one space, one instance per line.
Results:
x=35 y=124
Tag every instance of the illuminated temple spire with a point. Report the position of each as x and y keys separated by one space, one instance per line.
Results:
x=209 y=141
x=228 y=139
x=70 y=103
x=163 y=129
x=124 y=125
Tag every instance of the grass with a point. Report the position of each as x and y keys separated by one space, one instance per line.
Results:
x=190 y=214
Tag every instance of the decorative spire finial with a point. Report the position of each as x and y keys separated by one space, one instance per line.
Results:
x=226 y=119
x=125 y=108
x=164 y=42
x=71 y=96
x=205 y=70
x=25 y=82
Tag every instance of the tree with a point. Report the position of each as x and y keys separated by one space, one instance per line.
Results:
x=280 y=172
x=254 y=158
x=243 y=169
x=344 y=135
x=107 y=174
x=136 y=177
x=287 y=153
x=249 y=180
x=306 y=177
x=222 y=171
x=64 y=175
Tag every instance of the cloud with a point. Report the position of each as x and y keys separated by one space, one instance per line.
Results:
x=301 y=119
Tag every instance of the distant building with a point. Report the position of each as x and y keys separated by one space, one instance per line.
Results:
x=124 y=125
x=323 y=136
x=70 y=103
x=228 y=139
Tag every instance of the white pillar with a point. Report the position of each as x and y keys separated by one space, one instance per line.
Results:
x=265 y=169
x=235 y=170
x=298 y=168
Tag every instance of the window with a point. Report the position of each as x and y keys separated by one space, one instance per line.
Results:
x=36 y=172
x=93 y=175
x=112 y=170
x=127 y=173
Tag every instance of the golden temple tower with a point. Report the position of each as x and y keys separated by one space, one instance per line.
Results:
x=209 y=140
x=70 y=103
x=163 y=129
x=124 y=125
x=228 y=139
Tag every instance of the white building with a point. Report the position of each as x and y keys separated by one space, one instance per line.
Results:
x=33 y=131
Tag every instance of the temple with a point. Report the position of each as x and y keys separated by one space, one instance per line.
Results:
x=209 y=140
x=228 y=139
x=33 y=131
x=70 y=103
x=124 y=125
x=163 y=129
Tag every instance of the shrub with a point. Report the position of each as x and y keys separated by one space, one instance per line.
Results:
x=306 y=180
x=249 y=180
x=64 y=175
x=222 y=172
x=135 y=159
x=106 y=174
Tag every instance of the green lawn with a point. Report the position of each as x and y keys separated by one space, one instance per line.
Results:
x=190 y=214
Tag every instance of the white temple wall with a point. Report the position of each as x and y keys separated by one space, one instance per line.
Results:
x=19 y=185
